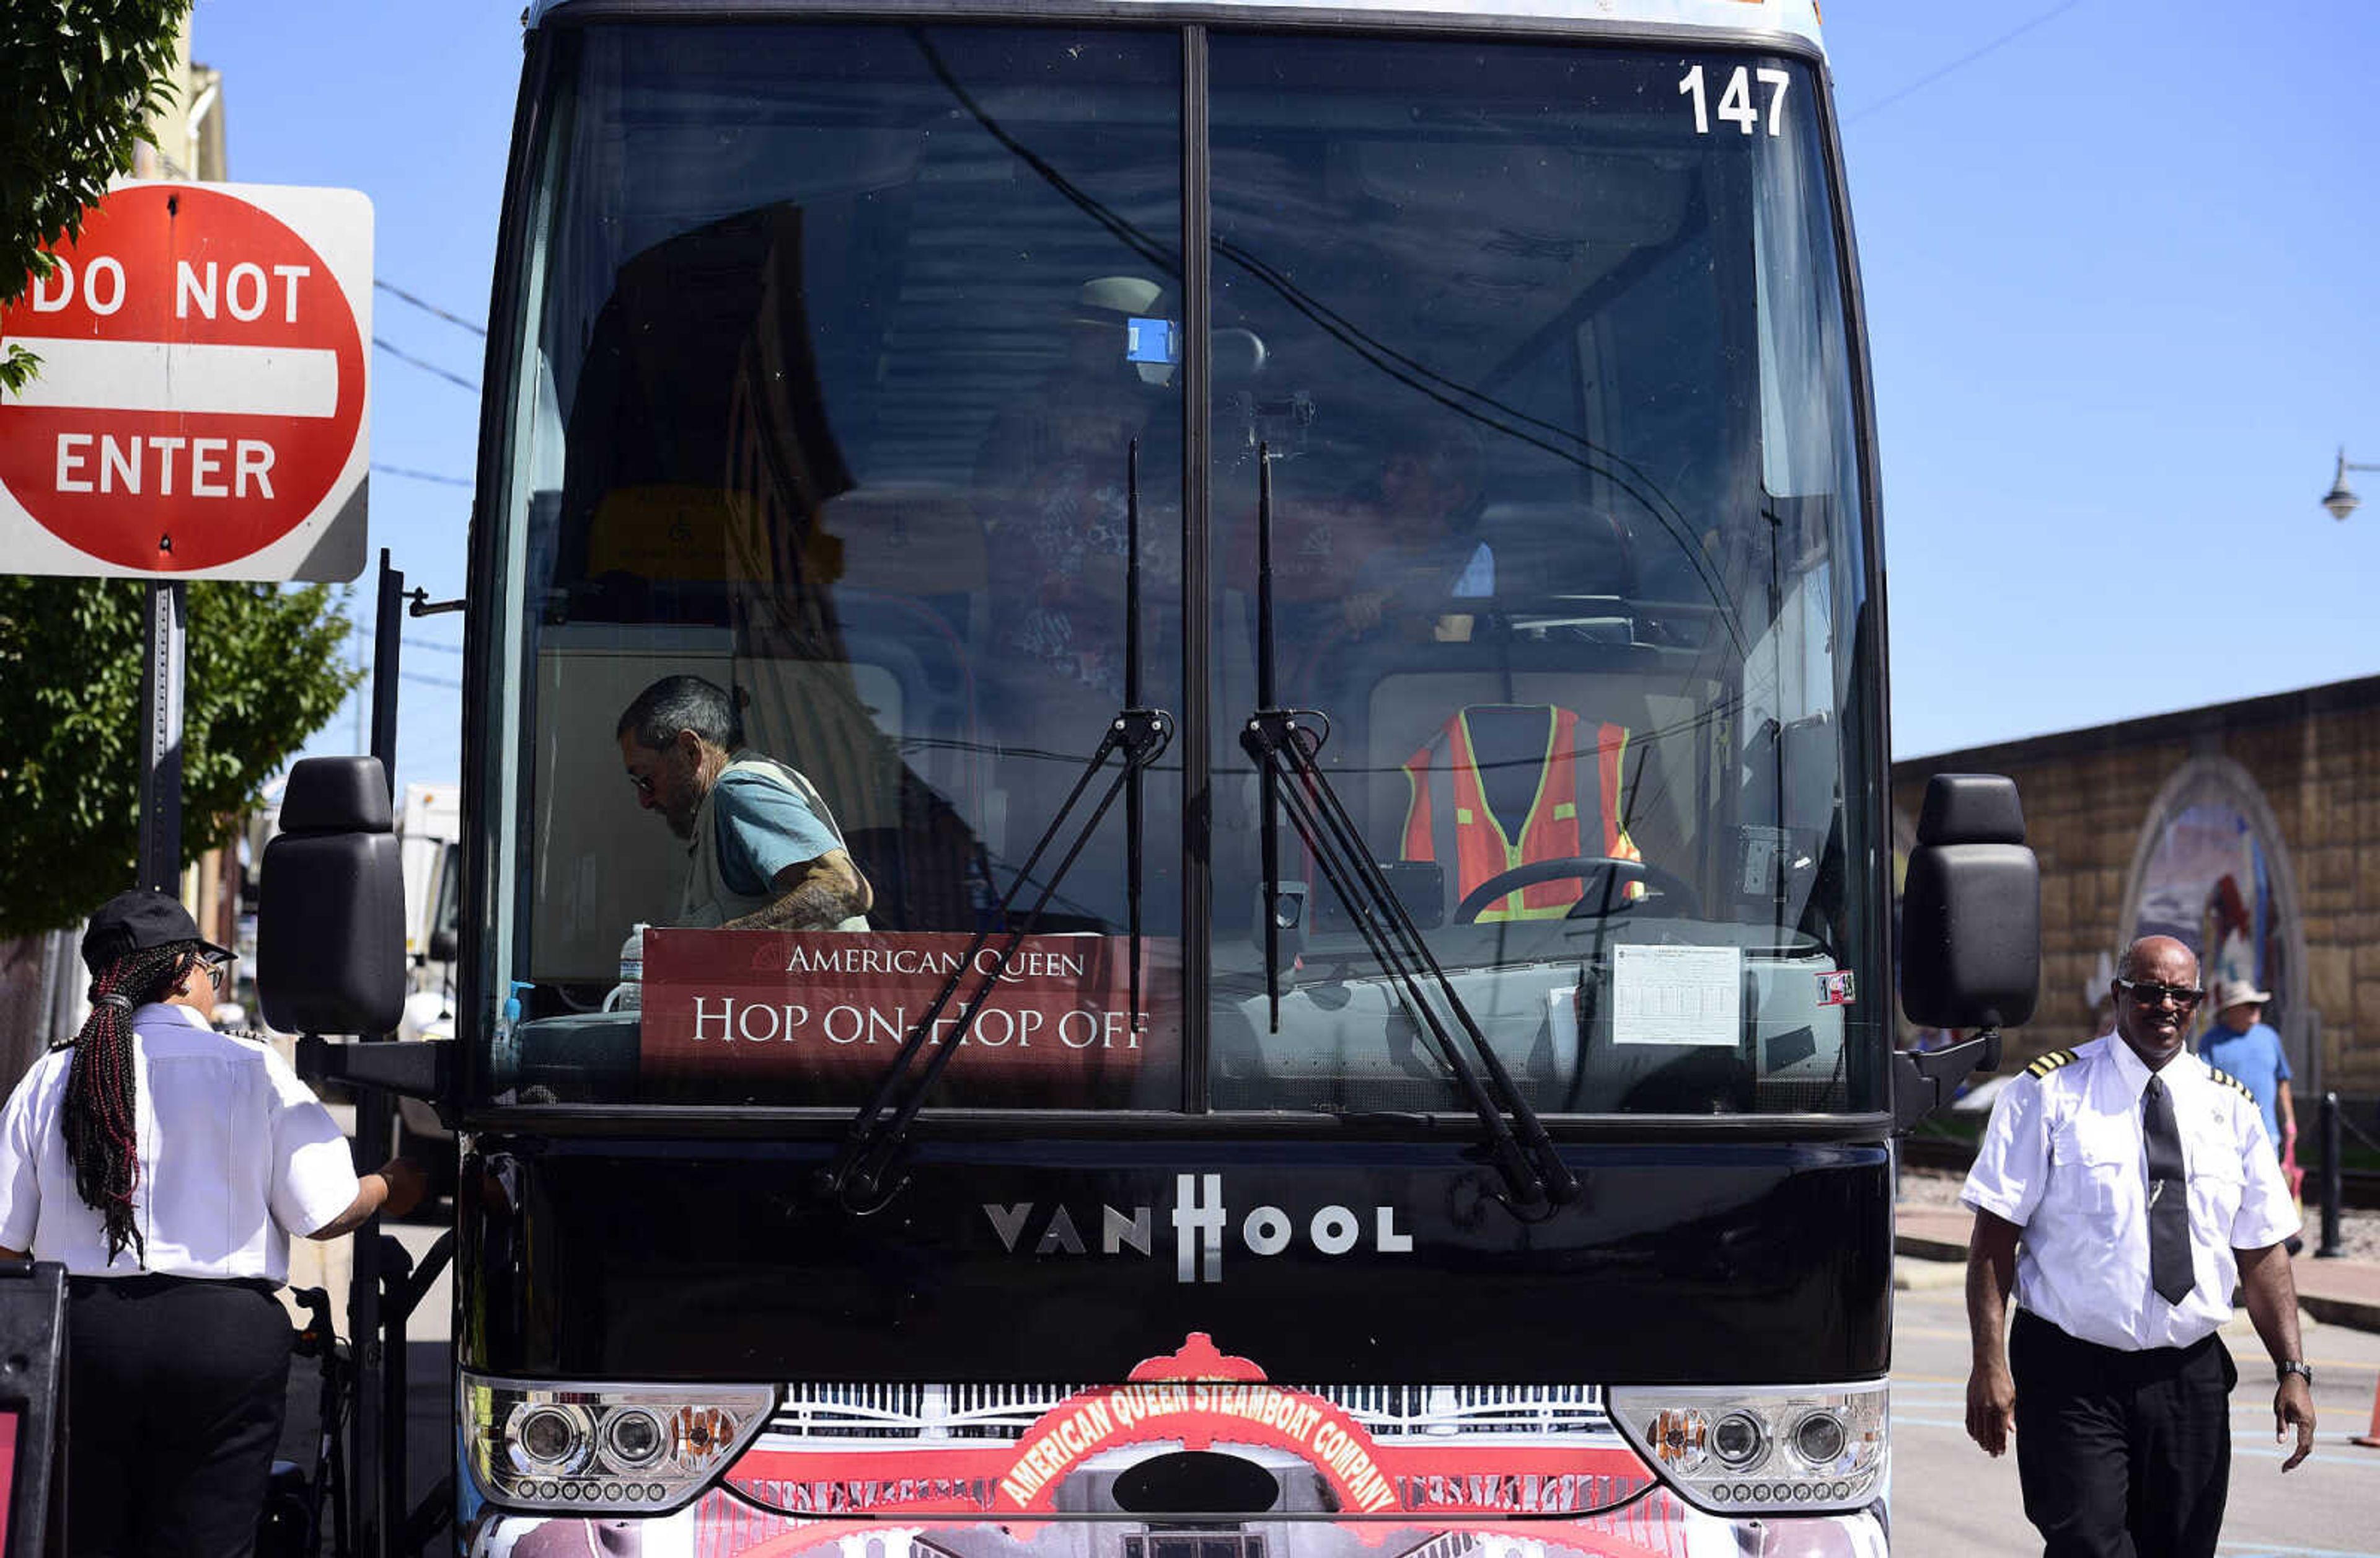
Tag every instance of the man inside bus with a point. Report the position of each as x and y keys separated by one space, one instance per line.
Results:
x=1430 y=553
x=764 y=850
x=1406 y=550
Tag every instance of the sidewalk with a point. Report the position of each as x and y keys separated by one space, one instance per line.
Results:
x=2335 y=1292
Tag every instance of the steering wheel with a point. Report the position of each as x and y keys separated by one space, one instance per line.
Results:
x=1602 y=875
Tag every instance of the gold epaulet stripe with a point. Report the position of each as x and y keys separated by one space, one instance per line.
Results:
x=2231 y=1082
x=2051 y=1063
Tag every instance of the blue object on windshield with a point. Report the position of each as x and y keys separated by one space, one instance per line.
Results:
x=1149 y=340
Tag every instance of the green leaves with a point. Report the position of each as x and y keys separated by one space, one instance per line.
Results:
x=17 y=368
x=266 y=669
x=78 y=80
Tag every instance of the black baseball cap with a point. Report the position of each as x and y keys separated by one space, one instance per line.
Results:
x=138 y=921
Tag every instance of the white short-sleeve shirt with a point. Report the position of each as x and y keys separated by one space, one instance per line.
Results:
x=236 y=1155
x=2066 y=1159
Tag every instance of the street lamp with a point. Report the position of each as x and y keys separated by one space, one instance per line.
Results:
x=2340 y=500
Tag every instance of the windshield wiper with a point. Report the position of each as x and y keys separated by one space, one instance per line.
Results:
x=861 y=1175
x=1285 y=744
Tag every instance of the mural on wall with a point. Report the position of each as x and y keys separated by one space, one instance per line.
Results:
x=2209 y=885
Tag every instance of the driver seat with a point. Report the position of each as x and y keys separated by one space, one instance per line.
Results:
x=1507 y=785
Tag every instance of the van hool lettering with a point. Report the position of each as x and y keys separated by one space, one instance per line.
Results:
x=1201 y=1221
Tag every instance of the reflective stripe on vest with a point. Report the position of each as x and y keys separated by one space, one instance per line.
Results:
x=1451 y=763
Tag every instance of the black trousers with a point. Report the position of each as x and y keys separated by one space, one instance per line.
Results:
x=174 y=1395
x=2122 y=1455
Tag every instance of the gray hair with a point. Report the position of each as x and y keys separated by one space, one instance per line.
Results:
x=676 y=703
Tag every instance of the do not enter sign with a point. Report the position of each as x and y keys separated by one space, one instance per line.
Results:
x=202 y=407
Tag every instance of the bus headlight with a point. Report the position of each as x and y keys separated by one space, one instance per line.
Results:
x=1730 y=1450
x=614 y=1448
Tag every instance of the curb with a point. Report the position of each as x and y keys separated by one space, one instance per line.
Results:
x=1924 y=1247
x=2352 y=1313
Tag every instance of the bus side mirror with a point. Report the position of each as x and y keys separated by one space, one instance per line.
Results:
x=1970 y=933
x=1971 y=908
x=329 y=919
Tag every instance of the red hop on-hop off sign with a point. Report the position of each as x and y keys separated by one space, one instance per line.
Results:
x=202 y=391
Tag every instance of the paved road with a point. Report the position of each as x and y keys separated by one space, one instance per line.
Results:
x=1950 y=1500
x=430 y=1399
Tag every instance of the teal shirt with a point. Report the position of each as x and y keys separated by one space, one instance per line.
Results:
x=763 y=828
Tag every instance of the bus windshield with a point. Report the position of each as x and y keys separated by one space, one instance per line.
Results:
x=850 y=360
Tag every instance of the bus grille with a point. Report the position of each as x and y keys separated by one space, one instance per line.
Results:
x=911 y=1413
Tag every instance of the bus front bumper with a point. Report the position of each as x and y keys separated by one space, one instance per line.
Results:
x=722 y=1525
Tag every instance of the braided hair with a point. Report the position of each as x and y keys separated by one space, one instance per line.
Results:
x=101 y=1122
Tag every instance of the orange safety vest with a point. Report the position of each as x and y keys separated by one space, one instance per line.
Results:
x=1450 y=763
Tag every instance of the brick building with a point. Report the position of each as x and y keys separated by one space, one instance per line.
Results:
x=2250 y=830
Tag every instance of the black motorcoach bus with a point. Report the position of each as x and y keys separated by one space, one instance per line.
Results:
x=1322 y=561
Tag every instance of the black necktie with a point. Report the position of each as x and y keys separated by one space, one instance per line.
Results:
x=2169 y=1270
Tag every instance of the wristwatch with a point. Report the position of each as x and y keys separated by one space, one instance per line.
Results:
x=2290 y=1365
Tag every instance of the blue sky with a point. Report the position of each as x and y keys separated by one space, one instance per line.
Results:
x=2119 y=280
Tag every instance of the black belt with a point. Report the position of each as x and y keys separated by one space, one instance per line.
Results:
x=2124 y=1362
x=148 y=1284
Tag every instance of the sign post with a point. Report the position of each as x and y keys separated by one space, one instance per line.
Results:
x=160 y=737
x=202 y=411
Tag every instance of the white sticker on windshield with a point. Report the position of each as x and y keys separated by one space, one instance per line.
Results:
x=1677 y=995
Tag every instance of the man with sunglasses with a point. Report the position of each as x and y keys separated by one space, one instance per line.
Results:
x=763 y=852
x=2121 y=1189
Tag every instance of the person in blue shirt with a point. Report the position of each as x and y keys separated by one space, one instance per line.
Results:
x=2240 y=1042
x=763 y=852
x=1429 y=551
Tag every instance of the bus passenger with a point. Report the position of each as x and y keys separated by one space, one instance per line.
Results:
x=1432 y=552
x=1052 y=482
x=764 y=850
x=1410 y=551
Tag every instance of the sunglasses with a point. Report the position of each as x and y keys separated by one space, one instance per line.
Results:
x=643 y=783
x=2148 y=994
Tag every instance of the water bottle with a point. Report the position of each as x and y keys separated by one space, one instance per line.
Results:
x=628 y=995
x=504 y=1053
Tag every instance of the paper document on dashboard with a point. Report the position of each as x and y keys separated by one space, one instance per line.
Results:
x=1677 y=995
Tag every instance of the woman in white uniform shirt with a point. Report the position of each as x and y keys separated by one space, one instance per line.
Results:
x=165 y=1165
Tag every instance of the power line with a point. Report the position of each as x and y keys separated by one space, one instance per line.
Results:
x=410 y=359
x=432 y=644
x=446 y=682
x=403 y=295
x=1963 y=61
x=422 y=475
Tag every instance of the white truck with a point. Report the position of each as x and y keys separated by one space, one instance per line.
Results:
x=429 y=828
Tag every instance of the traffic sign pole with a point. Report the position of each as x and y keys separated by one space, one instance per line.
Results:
x=160 y=737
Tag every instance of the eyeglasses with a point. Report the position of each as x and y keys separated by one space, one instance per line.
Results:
x=643 y=783
x=2148 y=994
x=217 y=969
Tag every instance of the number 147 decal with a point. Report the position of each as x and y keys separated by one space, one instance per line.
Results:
x=1735 y=103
